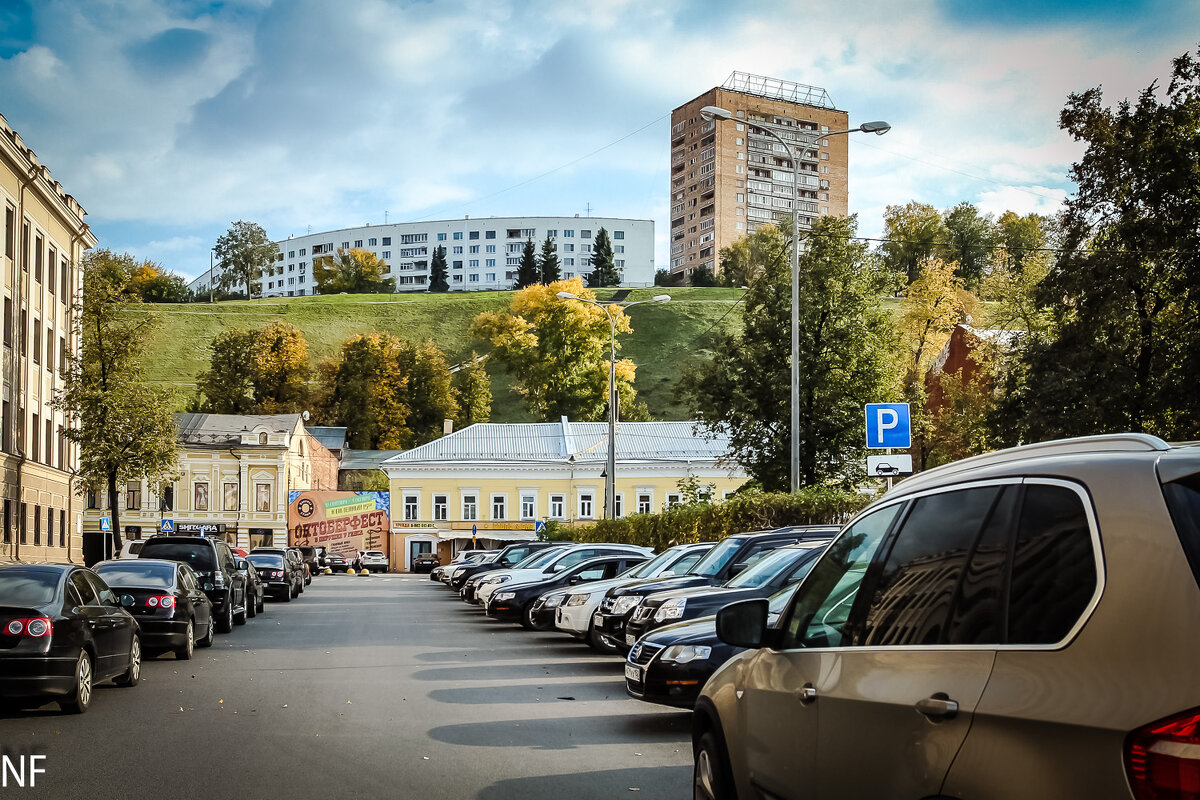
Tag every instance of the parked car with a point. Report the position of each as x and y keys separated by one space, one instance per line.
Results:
x=172 y=611
x=215 y=565
x=338 y=562
x=425 y=562
x=537 y=557
x=772 y=572
x=576 y=615
x=279 y=576
x=732 y=555
x=297 y=570
x=62 y=631
x=1020 y=619
x=519 y=601
x=508 y=557
x=256 y=591
x=373 y=561
x=556 y=562
x=321 y=554
x=669 y=665
x=466 y=557
x=130 y=548
x=311 y=560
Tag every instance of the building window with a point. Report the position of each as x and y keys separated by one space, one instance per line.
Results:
x=410 y=507
x=33 y=438
x=645 y=504
x=200 y=497
x=441 y=238
x=490 y=235
x=528 y=506
x=586 y=505
x=470 y=507
x=133 y=496
x=618 y=505
x=230 y=496
x=673 y=499
x=93 y=501
x=441 y=507
x=166 y=501
x=458 y=236
x=262 y=496
x=557 y=506
x=62 y=528
x=498 y=503
x=387 y=240
x=37 y=524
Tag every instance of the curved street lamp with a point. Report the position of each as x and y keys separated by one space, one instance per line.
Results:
x=610 y=474
x=716 y=113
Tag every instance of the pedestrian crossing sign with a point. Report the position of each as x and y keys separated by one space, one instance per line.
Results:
x=167 y=526
x=105 y=524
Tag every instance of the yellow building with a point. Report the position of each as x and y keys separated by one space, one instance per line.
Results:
x=500 y=480
x=235 y=473
x=44 y=238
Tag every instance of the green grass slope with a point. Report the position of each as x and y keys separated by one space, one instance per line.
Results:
x=666 y=338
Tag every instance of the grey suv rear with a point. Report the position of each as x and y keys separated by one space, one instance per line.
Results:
x=1018 y=624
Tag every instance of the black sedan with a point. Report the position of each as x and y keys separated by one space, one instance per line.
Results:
x=277 y=575
x=768 y=575
x=62 y=630
x=338 y=562
x=172 y=611
x=256 y=590
x=516 y=603
x=425 y=562
x=670 y=666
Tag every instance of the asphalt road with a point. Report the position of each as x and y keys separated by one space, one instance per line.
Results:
x=380 y=687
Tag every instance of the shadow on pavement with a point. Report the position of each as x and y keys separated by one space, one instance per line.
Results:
x=651 y=782
x=567 y=733
x=564 y=650
x=556 y=669
x=525 y=693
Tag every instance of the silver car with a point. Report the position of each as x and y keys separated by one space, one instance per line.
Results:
x=373 y=561
x=1020 y=624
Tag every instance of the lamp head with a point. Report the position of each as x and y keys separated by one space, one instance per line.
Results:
x=566 y=296
x=661 y=298
x=714 y=112
x=879 y=127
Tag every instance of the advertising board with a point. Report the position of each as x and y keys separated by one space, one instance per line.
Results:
x=341 y=522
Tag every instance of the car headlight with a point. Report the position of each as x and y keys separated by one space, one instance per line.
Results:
x=577 y=599
x=498 y=596
x=554 y=600
x=625 y=603
x=672 y=609
x=683 y=653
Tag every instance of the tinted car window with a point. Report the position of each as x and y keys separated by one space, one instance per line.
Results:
x=821 y=612
x=19 y=587
x=105 y=594
x=198 y=556
x=979 y=615
x=684 y=565
x=87 y=595
x=1053 y=566
x=913 y=594
x=266 y=560
x=764 y=569
x=133 y=573
x=573 y=558
x=716 y=559
x=1183 y=499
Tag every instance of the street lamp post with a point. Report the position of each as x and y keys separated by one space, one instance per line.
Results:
x=610 y=473
x=715 y=113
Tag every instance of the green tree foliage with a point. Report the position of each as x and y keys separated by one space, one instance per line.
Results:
x=528 y=273
x=548 y=267
x=1125 y=291
x=242 y=253
x=353 y=272
x=122 y=423
x=970 y=237
x=557 y=352
x=259 y=371
x=604 y=272
x=1018 y=238
x=663 y=277
x=703 y=276
x=915 y=233
x=473 y=391
x=439 y=278
x=389 y=393
x=845 y=347
x=154 y=284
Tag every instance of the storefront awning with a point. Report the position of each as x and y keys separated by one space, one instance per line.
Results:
x=497 y=536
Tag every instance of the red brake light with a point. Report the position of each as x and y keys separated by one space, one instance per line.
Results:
x=35 y=627
x=161 y=601
x=1163 y=758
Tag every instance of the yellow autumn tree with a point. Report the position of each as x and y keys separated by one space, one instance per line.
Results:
x=256 y=371
x=353 y=272
x=557 y=351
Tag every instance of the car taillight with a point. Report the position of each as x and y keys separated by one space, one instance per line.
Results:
x=35 y=627
x=1162 y=759
x=161 y=601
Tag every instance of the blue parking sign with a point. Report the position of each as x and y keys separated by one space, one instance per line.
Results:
x=888 y=425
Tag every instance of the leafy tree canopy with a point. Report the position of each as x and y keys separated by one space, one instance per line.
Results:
x=353 y=272
x=439 y=277
x=548 y=266
x=260 y=371
x=604 y=271
x=242 y=253
x=528 y=273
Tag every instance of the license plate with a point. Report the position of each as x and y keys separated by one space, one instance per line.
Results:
x=630 y=639
x=633 y=673
x=597 y=621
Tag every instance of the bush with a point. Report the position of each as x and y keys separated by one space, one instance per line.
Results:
x=704 y=522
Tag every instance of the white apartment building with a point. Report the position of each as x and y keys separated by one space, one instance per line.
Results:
x=481 y=253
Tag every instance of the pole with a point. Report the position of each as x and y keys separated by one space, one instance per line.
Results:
x=210 y=278
x=795 y=445
x=610 y=484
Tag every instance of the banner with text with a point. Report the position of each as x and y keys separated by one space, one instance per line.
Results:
x=341 y=522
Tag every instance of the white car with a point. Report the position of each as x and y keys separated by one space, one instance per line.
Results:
x=373 y=561
x=574 y=612
x=555 y=561
x=131 y=548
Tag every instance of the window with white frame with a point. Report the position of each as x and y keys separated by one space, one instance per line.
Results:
x=587 y=505
x=645 y=503
x=674 y=499
x=499 y=501
x=727 y=494
x=557 y=506
x=528 y=505
x=441 y=507
x=411 y=507
x=618 y=505
x=470 y=506
x=704 y=494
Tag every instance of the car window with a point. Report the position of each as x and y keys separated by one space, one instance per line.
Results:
x=594 y=573
x=767 y=566
x=572 y=558
x=199 y=556
x=911 y=598
x=1183 y=500
x=684 y=565
x=266 y=560
x=103 y=593
x=757 y=551
x=87 y=595
x=821 y=610
x=978 y=614
x=185 y=579
x=136 y=573
x=716 y=559
x=1053 y=566
x=28 y=587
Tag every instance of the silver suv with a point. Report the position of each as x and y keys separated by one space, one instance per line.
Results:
x=1018 y=624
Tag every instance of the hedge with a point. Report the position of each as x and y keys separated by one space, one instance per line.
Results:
x=703 y=522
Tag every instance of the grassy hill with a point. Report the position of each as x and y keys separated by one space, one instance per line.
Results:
x=666 y=339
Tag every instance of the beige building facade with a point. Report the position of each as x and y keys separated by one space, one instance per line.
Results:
x=728 y=178
x=234 y=479
x=44 y=238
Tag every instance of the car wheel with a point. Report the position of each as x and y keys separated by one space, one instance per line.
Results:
x=289 y=594
x=710 y=773
x=225 y=623
x=600 y=643
x=251 y=607
x=207 y=641
x=185 y=653
x=240 y=617
x=527 y=618
x=262 y=599
x=81 y=697
x=134 y=673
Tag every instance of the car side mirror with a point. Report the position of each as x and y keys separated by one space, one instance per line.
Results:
x=574 y=579
x=208 y=587
x=241 y=564
x=736 y=568
x=743 y=624
x=127 y=600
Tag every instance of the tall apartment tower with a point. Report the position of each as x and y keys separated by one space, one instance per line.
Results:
x=44 y=238
x=730 y=177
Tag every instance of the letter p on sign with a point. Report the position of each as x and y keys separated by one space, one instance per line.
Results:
x=888 y=426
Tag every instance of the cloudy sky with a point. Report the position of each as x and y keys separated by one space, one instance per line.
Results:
x=168 y=119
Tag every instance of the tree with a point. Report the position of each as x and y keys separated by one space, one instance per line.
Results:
x=603 y=273
x=915 y=233
x=1125 y=290
x=528 y=273
x=1018 y=238
x=153 y=284
x=242 y=253
x=354 y=272
x=663 y=277
x=703 y=276
x=473 y=391
x=438 y=275
x=969 y=241
x=846 y=340
x=121 y=422
x=548 y=263
x=557 y=352
x=261 y=371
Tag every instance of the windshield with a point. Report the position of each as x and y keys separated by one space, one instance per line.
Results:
x=685 y=565
x=266 y=560
x=198 y=556
x=767 y=567
x=28 y=587
x=539 y=558
x=715 y=560
x=647 y=568
x=375 y=554
x=134 y=574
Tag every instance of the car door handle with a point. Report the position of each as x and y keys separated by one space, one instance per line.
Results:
x=806 y=694
x=938 y=707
